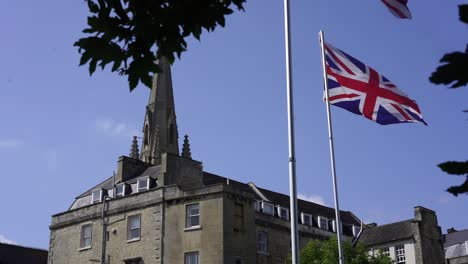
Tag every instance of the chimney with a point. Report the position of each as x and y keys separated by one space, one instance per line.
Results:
x=129 y=168
x=452 y=230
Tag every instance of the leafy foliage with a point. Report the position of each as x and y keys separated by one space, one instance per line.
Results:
x=326 y=252
x=128 y=33
x=456 y=168
x=455 y=69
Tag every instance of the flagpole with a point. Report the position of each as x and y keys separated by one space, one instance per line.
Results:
x=332 y=151
x=292 y=159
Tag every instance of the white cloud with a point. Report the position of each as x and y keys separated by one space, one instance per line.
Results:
x=7 y=241
x=114 y=128
x=312 y=198
x=11 y=143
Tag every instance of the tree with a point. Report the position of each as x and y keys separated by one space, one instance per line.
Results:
x=326 y=252
x=455 y=69
x=456 y=168
x=128 y=33
x=454 y=72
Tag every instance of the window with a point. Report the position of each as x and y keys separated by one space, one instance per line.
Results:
x=400 y=254
x=191 y=258
x=283 y=213
x=356 y=230
x=385 y=251
x=323 y=223
x=134 y=261
x=262 y=246
x=268 y=208
x=279 y=261
x=193 y=215
x=86 y=236
x=239 y=260
x=238 y=216
x=306 y=219
x=257 y=205
x=143 y=184
x=120 y=190
x=96 y=196
x=133 y=227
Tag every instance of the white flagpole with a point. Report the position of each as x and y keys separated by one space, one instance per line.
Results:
x=332 y=151
x=292 y=159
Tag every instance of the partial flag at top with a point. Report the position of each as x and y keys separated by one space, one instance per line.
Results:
x=398 y=8
x=358 y=88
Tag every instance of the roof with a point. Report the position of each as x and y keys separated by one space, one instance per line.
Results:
x=387 y=233
x=283 y=200
x=454 y=238
x=19 y=254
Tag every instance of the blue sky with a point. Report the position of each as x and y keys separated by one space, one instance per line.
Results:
x=63 y=131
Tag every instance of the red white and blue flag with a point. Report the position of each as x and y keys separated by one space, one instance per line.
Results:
x=358 y=88
x=398 y=8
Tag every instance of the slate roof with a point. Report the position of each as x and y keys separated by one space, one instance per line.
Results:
x=387 y=233
x=283 y=200
x=454 y=238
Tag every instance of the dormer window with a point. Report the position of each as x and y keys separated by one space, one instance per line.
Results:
x=268 y=208
x=333 y=225
x=97 y=196
x=306 y=219
x=356 y=230
x=282 y=212
x=121 y=190
x=323 y=223
x=143 y=184
x=257 y=205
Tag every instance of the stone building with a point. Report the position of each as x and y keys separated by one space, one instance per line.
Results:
x=161 y=207
x=456 y=246
x=413 y=241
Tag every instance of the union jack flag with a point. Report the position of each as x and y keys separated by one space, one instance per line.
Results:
x=358 y=88
x=398 y=8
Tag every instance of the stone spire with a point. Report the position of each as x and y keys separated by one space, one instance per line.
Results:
x=134 y=152
x=160 y=127
x=186 y=148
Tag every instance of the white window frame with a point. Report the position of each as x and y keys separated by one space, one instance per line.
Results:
x=193 y=253
x=268 y=205
x=262 y=242
x=319 y=220
x=304 y=216
x=93 y=193
x=130 y=228
x=257 y=205
x=279 y=211
x=400 y=256
x=124 y=190
x=147 y=184
x=385 y=251
x=83 y=236
x=356 y=230
x=189 y=216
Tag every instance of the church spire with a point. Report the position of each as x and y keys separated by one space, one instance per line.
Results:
x=134 y=149
x=186 y=148
x=160 y=127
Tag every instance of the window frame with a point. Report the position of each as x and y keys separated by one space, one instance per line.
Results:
x=124 y=189
x=279 y=209
x=101 y=194
x=303 y=216
x=400 y=254
x=83 y=236
x=139 y=189
x=257 y=205
x=189 y=216
x=264 y=241
x=192 y=253
x=319 y=222
x=279 y=261
x=268 y=205
x=130 y=228
x=356 y=230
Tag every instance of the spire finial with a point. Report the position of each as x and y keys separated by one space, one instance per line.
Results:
x=186 y=148
x=134 y=150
